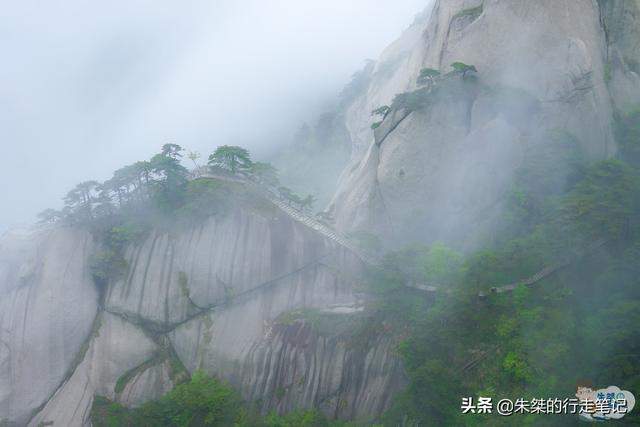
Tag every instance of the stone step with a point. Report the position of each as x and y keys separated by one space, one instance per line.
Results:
x=295 y=214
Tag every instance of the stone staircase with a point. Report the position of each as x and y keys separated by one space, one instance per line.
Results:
x=335 y=236
x=297 y=214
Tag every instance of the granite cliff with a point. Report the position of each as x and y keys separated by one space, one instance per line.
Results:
x=211 y=296
x=258 y=297
x=443 y=171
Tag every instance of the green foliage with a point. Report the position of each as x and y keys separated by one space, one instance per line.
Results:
x=425 y=97
x=106 y=266
x=442 y=264
x=202 y=401
x=421 y=264
x=381 y=111
x=463 y=68
x=605 y=202
x=413 y=101
x=124 y=234
x=472 y=12
x=49 y=216
x=302 y=203
x=427 y=75
x=231 y=157
x=310 y=418
x=207 y=197
x=532 y=342
x=79 y=201
x=266 y=173
x=168 y=188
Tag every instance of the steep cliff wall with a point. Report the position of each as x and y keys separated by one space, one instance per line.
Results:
x=47 y=306
x=207 y=296
x=173 y=276
x=342 y=371
x=621 y=23
x=442 y=173
x=229 y=295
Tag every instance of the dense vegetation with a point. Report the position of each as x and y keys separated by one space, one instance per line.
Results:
x=161 y=194
x=534 y=342
x=539 y=341
x=202 y=401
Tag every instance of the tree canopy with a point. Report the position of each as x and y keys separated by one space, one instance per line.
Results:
x=265 y=173
x=231 y=157
x=427 y=75
x=381 y=111
x=463 y=68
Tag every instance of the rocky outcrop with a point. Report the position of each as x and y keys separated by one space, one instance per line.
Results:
x=48 y=303
x=174 y=276
x=202 y=296
x=621 y=22
x=246 y=295
x=443 y=171
x=345 y=370
x=149 y=381
x=116 y=347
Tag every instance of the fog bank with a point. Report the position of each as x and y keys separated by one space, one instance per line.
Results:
x=88 y=87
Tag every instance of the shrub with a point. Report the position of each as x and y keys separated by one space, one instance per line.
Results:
x=106 y=266
x=427 y=75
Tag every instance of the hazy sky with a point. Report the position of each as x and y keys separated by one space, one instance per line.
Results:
x=88 y=86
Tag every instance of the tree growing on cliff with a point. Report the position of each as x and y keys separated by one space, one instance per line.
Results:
x=171 y=176
x=265 y=173
x=79 y=201
x=381 y=111
x=49 y=216
x=427 y=75
x=292 y=198
x=231 y=157
x=463 y=68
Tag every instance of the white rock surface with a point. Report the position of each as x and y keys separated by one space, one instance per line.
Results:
x=149 y=384
x=553 y=51
x=216 y=291
x=117 y=347
x=621 y=20
x=292 y=366
x=222 y=258
x=47 y=305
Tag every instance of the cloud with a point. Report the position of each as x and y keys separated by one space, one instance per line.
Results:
x=87 y=87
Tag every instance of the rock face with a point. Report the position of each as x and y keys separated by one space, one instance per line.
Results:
x=621 y=22
x=47 y=305
x=443 y=171
x=295 y=366
x=206 y=296
x=116 y=347
x=245 y=295
x=173 y=277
